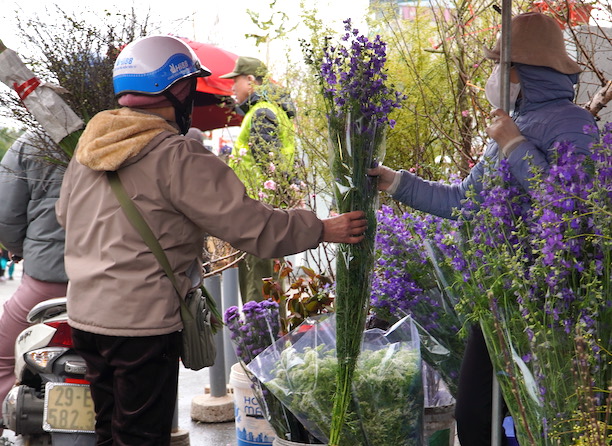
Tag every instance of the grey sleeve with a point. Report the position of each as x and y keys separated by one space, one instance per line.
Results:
x=437 y=198
x=14 y=203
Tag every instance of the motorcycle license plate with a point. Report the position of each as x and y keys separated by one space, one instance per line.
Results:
x=68 y=408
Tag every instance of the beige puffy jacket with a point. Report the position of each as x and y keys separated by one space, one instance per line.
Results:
x=117 y=287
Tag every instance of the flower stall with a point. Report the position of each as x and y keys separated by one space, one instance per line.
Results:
x=536 y=275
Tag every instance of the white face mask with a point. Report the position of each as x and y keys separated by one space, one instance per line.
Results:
x=493 y=90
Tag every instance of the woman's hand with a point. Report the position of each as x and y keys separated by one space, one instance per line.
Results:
x=504 y=131
x=386 y=177
x=345 y=228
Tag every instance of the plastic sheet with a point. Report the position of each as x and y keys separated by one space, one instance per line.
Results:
x=388 y=402
x=49 y=109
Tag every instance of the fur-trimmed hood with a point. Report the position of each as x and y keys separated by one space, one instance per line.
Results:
x=113 y=137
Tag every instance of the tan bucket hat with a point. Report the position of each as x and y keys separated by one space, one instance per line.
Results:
x=537 y=40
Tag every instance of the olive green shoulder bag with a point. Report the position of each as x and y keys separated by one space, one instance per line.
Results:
x=198 y=348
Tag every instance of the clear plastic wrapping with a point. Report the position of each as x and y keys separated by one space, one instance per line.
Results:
x=388 y=402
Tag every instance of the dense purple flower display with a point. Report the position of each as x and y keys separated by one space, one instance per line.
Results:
x=254 y=329
x=409 y=251
x=402 y=276
x=539 y=265
x=562 y=231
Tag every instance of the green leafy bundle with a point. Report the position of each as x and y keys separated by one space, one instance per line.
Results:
x=387 y=389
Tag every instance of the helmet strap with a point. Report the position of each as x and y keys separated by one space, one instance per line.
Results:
x=183 y=110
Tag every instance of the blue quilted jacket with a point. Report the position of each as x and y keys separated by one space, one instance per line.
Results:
x=544 y=114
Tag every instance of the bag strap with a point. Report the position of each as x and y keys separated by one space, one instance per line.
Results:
x=139 y=223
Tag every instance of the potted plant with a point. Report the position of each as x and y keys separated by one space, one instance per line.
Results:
x=295 y=296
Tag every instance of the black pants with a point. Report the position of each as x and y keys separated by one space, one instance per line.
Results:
x=475 y=396
x=134 y=384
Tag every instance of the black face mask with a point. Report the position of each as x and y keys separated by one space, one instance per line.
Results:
x=183 y=110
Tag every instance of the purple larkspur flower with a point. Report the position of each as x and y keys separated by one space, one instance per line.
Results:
x=354 y=75
x=403 y=280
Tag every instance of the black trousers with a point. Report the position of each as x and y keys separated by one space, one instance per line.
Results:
x=474 y=396
x=134 y=384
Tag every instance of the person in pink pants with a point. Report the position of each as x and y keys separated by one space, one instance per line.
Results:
x=29 y=230
x=13 y=321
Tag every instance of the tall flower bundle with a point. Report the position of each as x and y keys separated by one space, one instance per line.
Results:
x=408 y=279
x=537 y=278
x=359 y=102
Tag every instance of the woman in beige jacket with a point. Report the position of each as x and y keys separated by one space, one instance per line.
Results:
x=122 y=307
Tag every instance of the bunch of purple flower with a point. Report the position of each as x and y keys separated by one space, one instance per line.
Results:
x=355 y=78
x=402 y=276
x=537 y=278
x=569 y=240
x=359 y=101
x=254 y=329
x=407 y=280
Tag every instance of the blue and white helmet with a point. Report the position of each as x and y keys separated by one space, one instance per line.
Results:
x=151 y=65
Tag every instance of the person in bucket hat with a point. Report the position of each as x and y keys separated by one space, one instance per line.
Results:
x=266 y=136
x=536 y=40
x=542 y=79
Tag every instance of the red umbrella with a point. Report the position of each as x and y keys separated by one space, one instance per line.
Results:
x=214 y=105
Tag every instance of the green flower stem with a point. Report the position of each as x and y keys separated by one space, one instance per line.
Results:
x=510 y=368
x=69 y=143
x=354 y=149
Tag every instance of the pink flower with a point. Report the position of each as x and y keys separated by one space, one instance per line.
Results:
x=272 y=167
x=270 y=185
x=465 y=113
x=243 y=151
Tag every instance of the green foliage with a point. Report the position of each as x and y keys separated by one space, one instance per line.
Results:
x=386 y=393
x=306 y=294
x=274 y=26
x=7 y=138
x=437 y=59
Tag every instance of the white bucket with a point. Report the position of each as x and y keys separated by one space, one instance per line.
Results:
x=281 y=442
x=440 y=425
x=252 y=429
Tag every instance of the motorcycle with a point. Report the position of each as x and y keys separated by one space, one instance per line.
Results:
x=51 y=404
